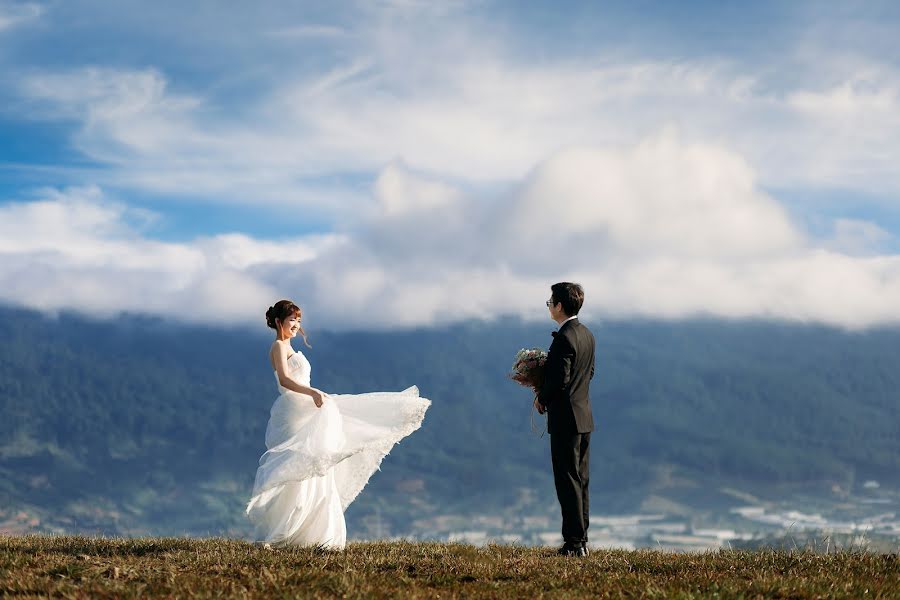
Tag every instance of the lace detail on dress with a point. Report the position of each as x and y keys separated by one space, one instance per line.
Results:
x=358 y=472
x=292 y=460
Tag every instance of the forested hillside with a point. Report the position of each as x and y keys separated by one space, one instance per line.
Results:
x=145 y=426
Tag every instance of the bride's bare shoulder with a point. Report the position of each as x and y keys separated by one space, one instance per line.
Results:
x=278 y=349
x=277 y=354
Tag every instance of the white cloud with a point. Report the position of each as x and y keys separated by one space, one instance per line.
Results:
x=127 y=117
x=853 y=98
x=661 y=229
x=859 y=238
x=399 y=194
x=664 y=228
x=77 y=250
x=447 y=98
x=13 y=14
x=309 y=31
x=646 y=201
x=159 y=141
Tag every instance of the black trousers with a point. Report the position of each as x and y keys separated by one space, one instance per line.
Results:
x=571 y=474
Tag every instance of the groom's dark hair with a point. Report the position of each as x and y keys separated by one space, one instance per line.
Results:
x=570 y=295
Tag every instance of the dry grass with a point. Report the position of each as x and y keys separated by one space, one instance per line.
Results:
x=80 y=567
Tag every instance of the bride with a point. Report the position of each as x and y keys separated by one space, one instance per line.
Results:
x=321 y=448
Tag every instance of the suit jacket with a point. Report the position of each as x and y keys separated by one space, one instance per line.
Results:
x=567 y=380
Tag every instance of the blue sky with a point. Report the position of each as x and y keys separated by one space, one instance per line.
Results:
x=406 y=163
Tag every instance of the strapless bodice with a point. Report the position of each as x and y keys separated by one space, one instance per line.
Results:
x=298 y=368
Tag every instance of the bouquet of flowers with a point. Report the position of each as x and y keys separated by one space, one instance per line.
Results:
x=528 y=368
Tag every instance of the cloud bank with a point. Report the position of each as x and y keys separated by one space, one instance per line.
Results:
x=663 y=228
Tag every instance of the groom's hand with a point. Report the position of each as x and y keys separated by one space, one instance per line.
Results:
x=540 y=407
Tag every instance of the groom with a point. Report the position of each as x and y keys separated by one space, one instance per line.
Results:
x=565 y=397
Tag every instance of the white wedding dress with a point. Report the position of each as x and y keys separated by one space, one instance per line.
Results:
x=319 y=459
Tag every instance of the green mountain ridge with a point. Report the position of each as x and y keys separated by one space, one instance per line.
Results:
x=142 y=426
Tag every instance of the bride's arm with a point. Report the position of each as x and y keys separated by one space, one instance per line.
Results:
x=279 y=359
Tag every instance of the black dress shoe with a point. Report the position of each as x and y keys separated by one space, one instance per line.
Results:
x=565 y=550
x=571 y=550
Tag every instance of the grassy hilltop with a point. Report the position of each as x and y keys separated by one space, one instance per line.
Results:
x=169 y=567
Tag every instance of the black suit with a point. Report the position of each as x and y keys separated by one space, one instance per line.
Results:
x=566 y=395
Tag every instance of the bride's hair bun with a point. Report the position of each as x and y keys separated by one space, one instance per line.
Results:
x=281 y=311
